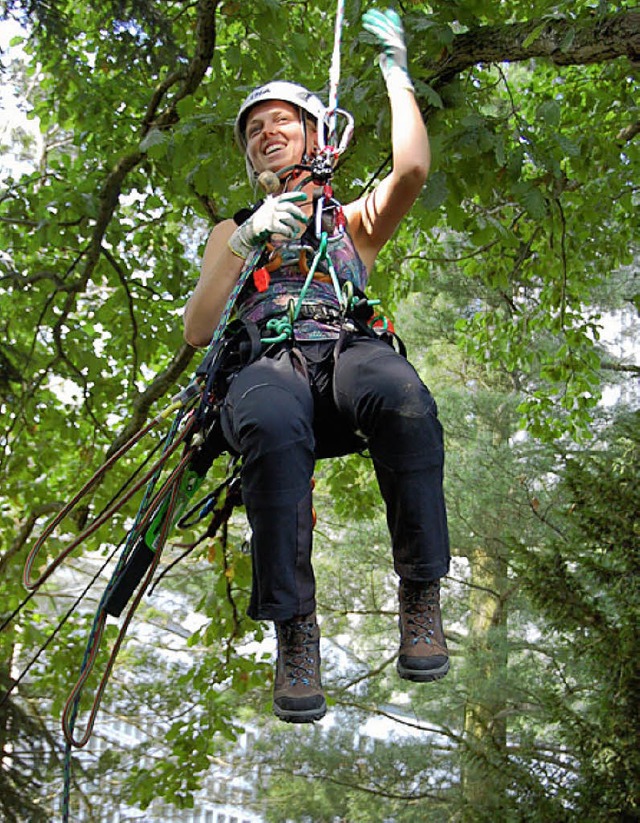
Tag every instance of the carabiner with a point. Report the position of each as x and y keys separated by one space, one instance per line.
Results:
x=330 y=124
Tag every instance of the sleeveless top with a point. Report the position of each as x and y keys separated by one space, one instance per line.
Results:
x=286 y=282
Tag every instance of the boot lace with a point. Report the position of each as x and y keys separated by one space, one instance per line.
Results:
x=299 y=649
x=420 y=603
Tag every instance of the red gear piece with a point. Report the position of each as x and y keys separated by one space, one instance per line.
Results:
x=261 y=279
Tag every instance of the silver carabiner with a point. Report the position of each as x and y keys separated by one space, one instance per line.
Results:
x=329 y=123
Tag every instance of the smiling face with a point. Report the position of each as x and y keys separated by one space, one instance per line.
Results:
x=275 y=137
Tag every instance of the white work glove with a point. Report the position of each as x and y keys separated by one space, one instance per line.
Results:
x=277 y=215
x=386 y=27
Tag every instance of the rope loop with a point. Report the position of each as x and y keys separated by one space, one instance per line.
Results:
x=347 y=296
x=282 y=329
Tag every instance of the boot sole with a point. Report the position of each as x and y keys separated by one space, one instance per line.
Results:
x=422 y=676
x=304 y=716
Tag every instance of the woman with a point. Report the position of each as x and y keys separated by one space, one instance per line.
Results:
x=332 y=387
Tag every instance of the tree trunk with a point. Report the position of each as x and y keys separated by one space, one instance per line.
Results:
x=484 y=723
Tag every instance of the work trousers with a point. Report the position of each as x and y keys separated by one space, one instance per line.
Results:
x=300 y=403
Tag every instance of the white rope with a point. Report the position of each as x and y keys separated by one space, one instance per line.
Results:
x=334 y=71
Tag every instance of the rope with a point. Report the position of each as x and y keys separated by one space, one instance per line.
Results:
x=171 y=487
x=58 y=628
x=209 y=505
x=144 y=515
x=334 y=71
x=283 y=326
x=224 y=317
x=182 y=402
x=107 y=514
x=71 y=708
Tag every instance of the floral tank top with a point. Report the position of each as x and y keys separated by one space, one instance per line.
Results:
x=287 y=281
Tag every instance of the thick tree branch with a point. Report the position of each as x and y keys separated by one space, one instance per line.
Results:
x=628 y=133
x=112 y=188
x=157 y=97
x=190 y=78
x=110 y=194
x=625 y=368
x=596 y=39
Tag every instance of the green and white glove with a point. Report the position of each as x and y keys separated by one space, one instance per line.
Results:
x=386 y=27
x=277 y=215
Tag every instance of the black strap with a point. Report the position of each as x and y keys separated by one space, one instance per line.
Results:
x=239 y=345
x=242 y=215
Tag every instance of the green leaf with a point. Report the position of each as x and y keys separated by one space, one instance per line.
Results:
x=550 y=112
x=154 y=139
x=568 y=40
x=532 y=199
x=435 y=192
x=570 y=148
x=186 y=106
x=533 y=36
x=526 y=230
x=430 y=94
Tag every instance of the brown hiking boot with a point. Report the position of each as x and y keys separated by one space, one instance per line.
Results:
x=297 y=693
x=423 y=652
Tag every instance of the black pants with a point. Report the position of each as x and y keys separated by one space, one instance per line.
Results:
x=282 y=419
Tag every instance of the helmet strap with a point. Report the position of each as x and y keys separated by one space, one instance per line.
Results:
x=307 y=156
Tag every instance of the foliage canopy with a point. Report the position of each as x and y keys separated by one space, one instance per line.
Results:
x=524 y=238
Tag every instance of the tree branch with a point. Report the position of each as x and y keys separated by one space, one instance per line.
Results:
x=132 y=315
x=112 y=188
x=110 y=195
x=191 y=77
x=628 y=133
x=626 y=368
x=585 y=41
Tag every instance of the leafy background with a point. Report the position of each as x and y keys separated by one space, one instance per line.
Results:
x=520 y=256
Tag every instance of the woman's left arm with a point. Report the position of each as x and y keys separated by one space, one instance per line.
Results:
x=374 y=217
